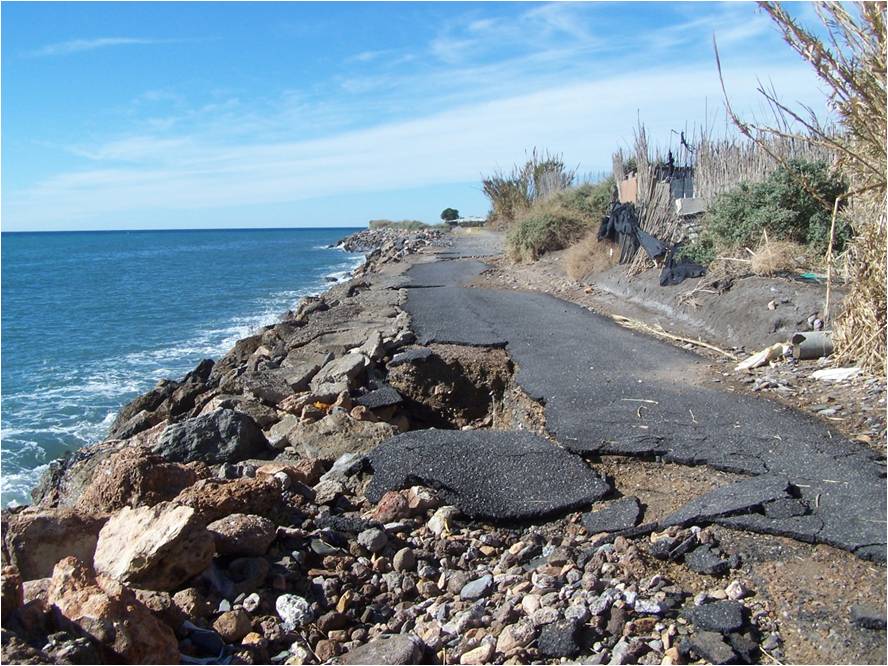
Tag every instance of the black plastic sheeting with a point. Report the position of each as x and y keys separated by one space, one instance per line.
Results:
x=621 y=226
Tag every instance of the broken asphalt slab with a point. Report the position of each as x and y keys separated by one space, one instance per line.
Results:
x=621 y=514
x=610 y=390
x=487 y=474
x=741 y=497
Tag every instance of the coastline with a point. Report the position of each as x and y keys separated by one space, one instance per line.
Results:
x=253 y=512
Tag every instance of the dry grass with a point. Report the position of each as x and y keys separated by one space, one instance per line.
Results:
x=590 y=256
x=773 y=257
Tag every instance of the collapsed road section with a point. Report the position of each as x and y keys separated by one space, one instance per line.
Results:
x=607 y=390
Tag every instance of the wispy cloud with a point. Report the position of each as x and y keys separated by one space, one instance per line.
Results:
x=80 y=45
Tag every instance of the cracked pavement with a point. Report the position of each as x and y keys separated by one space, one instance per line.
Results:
x=610 y=390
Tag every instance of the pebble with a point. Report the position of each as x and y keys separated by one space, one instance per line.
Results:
x=373 y=539
x=293 y=610
x=404 y=560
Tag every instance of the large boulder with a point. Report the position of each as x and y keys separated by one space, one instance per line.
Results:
x=221 y=436
x=112 y=615
x=213 y=499
x=335 y=435
x=34 y=539
x=155 y=548
x=67 y=478
x=137 y=477
x=341 y=370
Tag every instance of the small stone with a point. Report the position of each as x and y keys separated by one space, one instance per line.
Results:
x=326 y=650
x=558 y=639
x=332 y=621
x=404 y=560
x=441 y=519
x=192 y=603
x=514 y=636
x=543 y=616
x=393 y=506
x=704 y=561
x=233 y=625
x=293 y=610
x=397 y=649
x=476 y=589
x=241 y=534
x=480 y=655
x=736 y=590
x=251 y=602
x=373 y=539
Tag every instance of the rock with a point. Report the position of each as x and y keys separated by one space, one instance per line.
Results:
x=136 y=477
x=373 y=539
x=393 y=506
x=441 y=520
x=559 y=639
x=241 y=534
x=328 y=490
x=480 y=655
x=477 y=588
x=373 y=348
x=233 y=625
x=385 y=396
x=404 y=560
x=397 y=649
x=293 y=610
x=345 y=466
x=488 y=474
x=332 y=621
x=251 y=602
x=518 y=635
x=737 y=589
x=224 y=435
x=337 y=434
x=743 y=496
x=868 y=617
x=192 y=603
x=34 y=539
x=213 y=499
x=618 y=515
x=12 y=594
x=304 y=470
x=156 y=548
x=704 y=561
x=421 y=499
x=711 y=647
x=344 y=369
x=722 y=616
x=111 y=614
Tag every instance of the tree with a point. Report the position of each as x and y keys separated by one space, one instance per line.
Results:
x=449 y=214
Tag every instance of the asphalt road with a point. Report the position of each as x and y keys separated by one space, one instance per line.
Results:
x=610 y=390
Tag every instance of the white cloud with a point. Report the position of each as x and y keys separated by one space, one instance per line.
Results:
x=586 y=121
x=79 y=45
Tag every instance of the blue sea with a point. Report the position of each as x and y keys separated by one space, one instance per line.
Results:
x=92 y=319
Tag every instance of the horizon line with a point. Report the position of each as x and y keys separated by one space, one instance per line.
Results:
x=91 y=231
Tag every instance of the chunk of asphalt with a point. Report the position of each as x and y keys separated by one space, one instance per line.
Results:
x=410 y=356
x=711 y=646
x=785 y=508
x=384 y=396
x=487 y=474
x=721 y=616
x=559 y=639
x=802 y=528
x=704 y=561
x=741 y=497
x=868 y=617
x=619 y=515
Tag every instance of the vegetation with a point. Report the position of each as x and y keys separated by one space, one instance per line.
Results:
x=404 y=225
x=449 y=214
x=851 y=63
x=542 y=175
x=558 y=221
x=793 y=204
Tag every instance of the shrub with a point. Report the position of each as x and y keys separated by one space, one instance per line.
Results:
x=541 y=176
x=773 y=257
x=793 y=204
x=546 y=227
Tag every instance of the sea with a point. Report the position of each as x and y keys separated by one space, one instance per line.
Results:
x=90 y=320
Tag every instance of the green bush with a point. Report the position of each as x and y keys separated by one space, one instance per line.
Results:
x=784 y=205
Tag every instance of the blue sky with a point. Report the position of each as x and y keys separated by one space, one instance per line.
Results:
x=188 y=115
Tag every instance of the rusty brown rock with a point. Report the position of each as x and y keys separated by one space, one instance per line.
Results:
x=12 y=595
x=393 y=506
x=137 y=477
x=304 y=470
x=233 y=625
x=36 y=538
x=213 y=499
x=156 y=548
x=192 y=603
x=111 y=614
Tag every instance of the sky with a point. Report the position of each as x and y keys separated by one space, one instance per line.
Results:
x=206 y=115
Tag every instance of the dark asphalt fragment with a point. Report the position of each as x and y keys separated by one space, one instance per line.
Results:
x=618 y=515
x=721 y=616
x=711 y=646
x=488 y=474
x=410 y=356
x=703 y=560
x=740 y=497
x=384 y=396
